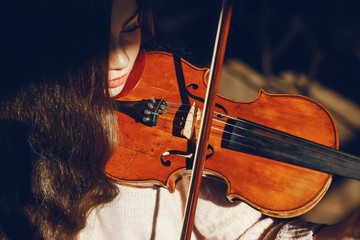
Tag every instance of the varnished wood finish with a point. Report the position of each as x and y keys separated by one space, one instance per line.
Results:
x=275 y=188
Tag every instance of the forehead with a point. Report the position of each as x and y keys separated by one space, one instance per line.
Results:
x=122 y=10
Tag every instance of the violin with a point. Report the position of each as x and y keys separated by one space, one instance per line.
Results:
x=277 y=152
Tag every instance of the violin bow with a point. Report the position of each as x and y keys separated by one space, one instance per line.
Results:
x=205 y=125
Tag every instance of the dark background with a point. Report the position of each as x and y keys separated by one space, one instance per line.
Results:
x=320 y=38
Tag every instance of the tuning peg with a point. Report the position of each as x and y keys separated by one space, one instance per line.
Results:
x=150 y=105
x=146 y=119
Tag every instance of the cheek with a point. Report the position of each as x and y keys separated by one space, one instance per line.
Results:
x=133 y=47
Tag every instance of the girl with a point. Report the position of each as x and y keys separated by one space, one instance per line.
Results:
x=157 y=214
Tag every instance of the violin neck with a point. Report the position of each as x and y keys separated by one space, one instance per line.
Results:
x=248 y=137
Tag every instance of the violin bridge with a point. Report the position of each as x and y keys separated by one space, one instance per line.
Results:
x=193 y=116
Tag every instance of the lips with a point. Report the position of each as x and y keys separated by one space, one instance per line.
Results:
x=116 y=82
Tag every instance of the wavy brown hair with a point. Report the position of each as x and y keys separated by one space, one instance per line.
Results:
x=56 y=122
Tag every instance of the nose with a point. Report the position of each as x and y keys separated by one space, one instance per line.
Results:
x=118 y=58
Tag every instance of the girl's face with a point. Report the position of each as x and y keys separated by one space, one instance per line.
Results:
x=124 y=43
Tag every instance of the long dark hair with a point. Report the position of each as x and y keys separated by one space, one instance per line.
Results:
x=56 y=124
x=146 y=20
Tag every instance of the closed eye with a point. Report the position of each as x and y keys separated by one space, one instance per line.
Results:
x=131 y=29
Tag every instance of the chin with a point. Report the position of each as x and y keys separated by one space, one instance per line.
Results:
x=116 y=91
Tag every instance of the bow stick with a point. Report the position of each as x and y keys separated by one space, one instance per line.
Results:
x=205 y=125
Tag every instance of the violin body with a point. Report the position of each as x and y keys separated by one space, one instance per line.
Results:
x=161 y=155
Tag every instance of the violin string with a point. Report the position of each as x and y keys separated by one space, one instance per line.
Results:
x=225 y=123
x=222 y=131
x=170 y=119
x=275 y=147
x=247 y=130
x=331 y=152
x=247 y=145
x=177 y=104
x=177 y=110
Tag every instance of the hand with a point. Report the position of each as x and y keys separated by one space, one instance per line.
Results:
x=347 y=229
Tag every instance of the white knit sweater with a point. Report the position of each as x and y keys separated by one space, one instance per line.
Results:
x=157 y=214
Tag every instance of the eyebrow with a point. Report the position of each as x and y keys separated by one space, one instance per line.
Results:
x=136 y=13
